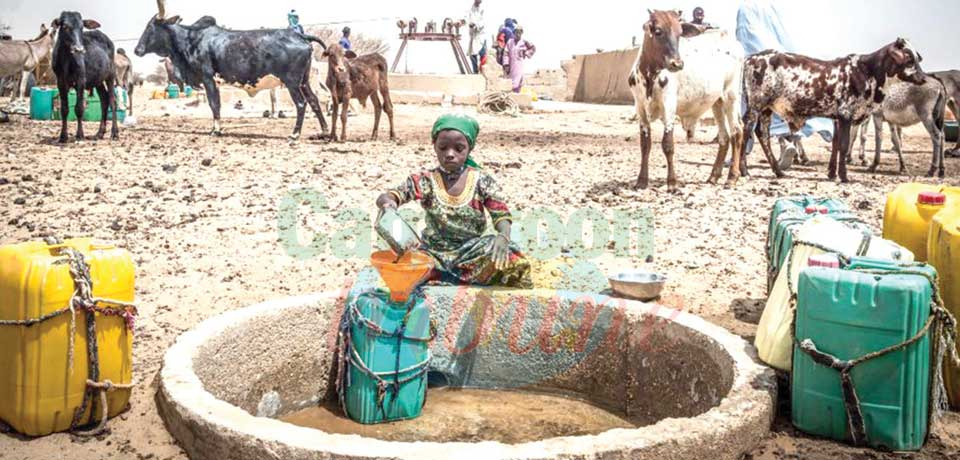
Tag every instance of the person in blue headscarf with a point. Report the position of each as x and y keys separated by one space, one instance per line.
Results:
x=759 y=28
x=293 y=19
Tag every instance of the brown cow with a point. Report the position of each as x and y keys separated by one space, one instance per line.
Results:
x=352 y=77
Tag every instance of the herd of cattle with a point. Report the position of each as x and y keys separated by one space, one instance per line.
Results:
x=669 y=82
x=710 y=72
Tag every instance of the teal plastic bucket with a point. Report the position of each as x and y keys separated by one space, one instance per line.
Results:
x=41 y=103
x=173 y=92
x=71 y=103
x=791 y=212
x=851 y=312
x=386 y=353
x=92 y=111
x=188 y=91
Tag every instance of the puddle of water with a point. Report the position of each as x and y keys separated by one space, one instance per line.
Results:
x=469 y=415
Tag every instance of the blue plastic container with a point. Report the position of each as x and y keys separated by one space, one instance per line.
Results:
x=392 y=342
x=173 y=92
x=848 y=314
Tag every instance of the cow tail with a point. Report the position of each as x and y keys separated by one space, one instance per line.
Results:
x=311 y=38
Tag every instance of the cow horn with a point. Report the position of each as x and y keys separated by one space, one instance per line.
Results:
x=161 y=8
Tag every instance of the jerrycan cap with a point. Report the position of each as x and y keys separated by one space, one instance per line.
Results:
x=828 y=260
x=932 y=198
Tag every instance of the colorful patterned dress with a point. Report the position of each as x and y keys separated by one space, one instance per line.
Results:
x=455 y=227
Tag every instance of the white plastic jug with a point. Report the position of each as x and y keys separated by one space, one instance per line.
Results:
x=774 y=340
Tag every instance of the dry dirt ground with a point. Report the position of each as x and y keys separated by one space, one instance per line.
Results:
x=200 y=215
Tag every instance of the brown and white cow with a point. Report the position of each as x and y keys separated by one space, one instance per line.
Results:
x=847 y=90
x=668 y=82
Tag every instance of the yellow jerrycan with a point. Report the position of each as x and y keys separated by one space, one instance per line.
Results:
x=774 y=339
x=943 y=247
x=42 y=388
x=909 y=210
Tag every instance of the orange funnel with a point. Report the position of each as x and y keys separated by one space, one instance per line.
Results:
x=404 y=275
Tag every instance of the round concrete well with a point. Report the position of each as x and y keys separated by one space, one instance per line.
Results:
x=692 y=389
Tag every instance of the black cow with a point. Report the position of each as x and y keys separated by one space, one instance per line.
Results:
x=83 y=60
x=204 y=50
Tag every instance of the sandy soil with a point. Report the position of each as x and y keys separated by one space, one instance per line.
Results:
x=200 y=215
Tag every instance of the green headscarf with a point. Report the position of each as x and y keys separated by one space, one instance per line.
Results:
x=465 y=124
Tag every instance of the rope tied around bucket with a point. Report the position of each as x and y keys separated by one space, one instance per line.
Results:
x=940 y=320
x=349 y=356
x=83 y=301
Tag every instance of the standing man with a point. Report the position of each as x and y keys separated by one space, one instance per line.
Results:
x=475 y=23
x=345 y=40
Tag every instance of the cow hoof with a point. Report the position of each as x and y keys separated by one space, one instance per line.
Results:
x=731 y=183
x=902 y=172
x=713 y=180
x=872 y=168
x=266 y=114
x=640 y=185
x=62 y=139
x=931 y=172
x=216 y=133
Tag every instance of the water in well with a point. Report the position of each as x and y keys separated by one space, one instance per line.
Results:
x=473 y=415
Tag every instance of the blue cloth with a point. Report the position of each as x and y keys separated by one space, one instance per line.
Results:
x=345 y=43
x=509 y=26
x=759 y=28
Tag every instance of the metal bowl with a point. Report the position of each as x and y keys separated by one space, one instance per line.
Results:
x=638 y=285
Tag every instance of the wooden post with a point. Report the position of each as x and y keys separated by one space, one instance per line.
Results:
x=396 y=61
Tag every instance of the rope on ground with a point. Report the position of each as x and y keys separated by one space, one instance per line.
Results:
x=499 y=102
x=103 y=387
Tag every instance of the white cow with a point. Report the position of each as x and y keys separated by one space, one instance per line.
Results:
x=669 y=82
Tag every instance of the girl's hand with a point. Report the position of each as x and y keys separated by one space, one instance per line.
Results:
x=500 y=252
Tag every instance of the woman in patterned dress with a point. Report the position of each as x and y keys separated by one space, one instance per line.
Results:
x=456 y=197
